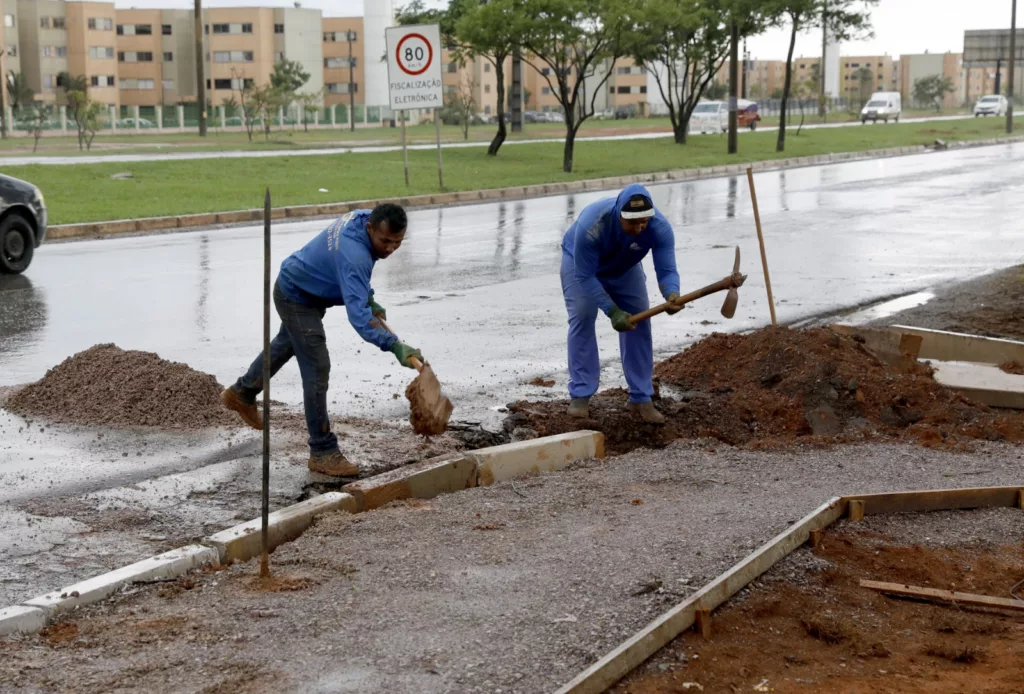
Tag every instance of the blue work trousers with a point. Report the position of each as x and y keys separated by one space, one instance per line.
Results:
x=301 y=336
x=629 y=292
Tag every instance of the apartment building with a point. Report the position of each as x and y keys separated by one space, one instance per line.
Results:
x=913 y=67
x=343 y=46
x=863 y=75
x=10 y=58
x=92 y=48
x=627 y=87
x=43 y=43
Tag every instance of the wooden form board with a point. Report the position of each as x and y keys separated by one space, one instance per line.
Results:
x=946 y=346
x=944 y=596
x=611 y=668
x=649 y=640
x=985 y=383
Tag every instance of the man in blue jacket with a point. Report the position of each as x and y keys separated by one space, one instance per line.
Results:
x=601 y=254
x=331 y=270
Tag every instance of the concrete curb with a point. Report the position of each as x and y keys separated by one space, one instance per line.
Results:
x=239 y=217
x=243 y=542
x=166 y=565
x=442 y=475
x=19 y=619
x=548 y=454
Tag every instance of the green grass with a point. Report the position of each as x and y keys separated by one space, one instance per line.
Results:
x=812 y=118
x=85 y=192
x=148 y=143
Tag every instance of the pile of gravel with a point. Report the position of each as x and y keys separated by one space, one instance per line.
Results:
x=110 y=386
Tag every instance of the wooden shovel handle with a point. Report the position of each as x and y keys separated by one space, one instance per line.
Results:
x=417 y=364
x=722 y=285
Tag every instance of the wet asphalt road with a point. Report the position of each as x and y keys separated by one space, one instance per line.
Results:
x=476 y=287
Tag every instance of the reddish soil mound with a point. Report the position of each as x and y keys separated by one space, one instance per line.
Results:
x=111 y=386
x=775 y=386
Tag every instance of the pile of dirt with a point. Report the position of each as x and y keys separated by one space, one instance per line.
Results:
x=107 y=385
x=776 y=386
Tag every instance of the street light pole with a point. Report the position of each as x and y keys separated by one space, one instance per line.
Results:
x=200 y=65
x=351 y=84
x=1013 y=62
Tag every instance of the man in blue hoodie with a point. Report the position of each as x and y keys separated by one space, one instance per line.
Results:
x=331 y=270
x=601 y=254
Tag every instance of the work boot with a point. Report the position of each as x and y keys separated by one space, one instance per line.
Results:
x=247 y=410
x=579 y=408
x=334 y=464
x=647 y=412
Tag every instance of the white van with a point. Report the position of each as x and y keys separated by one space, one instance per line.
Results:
x=881 y=107
x=713 y=116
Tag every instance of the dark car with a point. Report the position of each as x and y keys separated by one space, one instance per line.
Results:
x=22 y=224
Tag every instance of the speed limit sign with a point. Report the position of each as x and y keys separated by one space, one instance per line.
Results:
x=414 y=66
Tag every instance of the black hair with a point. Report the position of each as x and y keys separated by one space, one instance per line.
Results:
x=394 y=214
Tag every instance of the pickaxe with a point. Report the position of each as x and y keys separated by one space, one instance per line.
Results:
x=730 y=283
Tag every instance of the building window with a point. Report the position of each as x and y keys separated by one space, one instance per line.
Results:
x=487 y=89
x=279 y=28
x=247 y=28
x=487 y=109
x=545 y=90
x=221 y=28
x=335 y=63
x=138 y=84
x=232 y=84
x=48 y=81
x=545 y=71
x=167 y=30
x=803 y=66
x=330 y=37
x=168 y=84
x=101 y=52
x=643 y=88
x=453 y=68
x=622 y=90
x=8 y=20
x=168 y=57
x=101 y=24
x=233 y=56
x=342 y=88
x=47 y=51
x=350 y=36
x=102 y=80
x=12 y=51
x=135 y=57
x=44 y=22
x=232 y=28
x=60 y=23
x=144 y=30
x=487 y=67
x=623 y=71
x=62 y=51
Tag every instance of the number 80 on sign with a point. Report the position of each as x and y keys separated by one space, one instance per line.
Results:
x=414 y=54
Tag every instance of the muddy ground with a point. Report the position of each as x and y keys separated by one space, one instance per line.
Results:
x=808 y=626
x=778 y=386
x=514 y=587
x=992 y=306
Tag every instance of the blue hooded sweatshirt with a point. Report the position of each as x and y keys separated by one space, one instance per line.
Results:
x=334 y=270
x=600 y=248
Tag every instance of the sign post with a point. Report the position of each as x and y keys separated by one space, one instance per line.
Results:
x=414 y=76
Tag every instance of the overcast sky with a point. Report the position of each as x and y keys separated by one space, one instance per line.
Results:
x=901 y=26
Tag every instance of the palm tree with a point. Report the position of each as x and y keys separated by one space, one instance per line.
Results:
x=19 y=91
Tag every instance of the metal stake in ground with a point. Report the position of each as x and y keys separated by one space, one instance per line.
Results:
x=760 y=241
x=405 y=149
x=265 y=538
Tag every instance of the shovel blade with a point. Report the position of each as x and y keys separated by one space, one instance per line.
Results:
x=429 y=409
x=731 y=301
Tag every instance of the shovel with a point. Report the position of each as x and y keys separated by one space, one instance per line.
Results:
x=429 y=409
x=730 y=283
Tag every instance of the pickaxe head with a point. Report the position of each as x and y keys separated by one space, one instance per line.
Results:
x=733 y=297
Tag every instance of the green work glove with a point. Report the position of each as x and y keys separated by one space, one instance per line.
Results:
x=376 y=309
x=404 y=352
x=620 y=320
x=674 y=296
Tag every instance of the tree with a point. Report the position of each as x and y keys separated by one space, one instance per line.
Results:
x=310 y=102
x=250 y=110
x=527 y=95
x=230 y=105
x=490 y=32
x=18 y=89
x=573 y=45
x=716 y=91
x=75 y=92
x=286 y=80
x=460 y=105
x=865 y=79
x=682 y=44
x=841 y=19
x=40 y=116
x=932 y=89
x=93 y=122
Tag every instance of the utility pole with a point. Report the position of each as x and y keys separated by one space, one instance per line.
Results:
x=3 y=80
x=821 y=67
x=517 y=92
x=200 y=69
x=350 y=35
x=734 y=83
x=1013 y=62
x=746 y=67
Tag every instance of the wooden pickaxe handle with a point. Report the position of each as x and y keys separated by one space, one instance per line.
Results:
x=412 y=360
x=721 y=285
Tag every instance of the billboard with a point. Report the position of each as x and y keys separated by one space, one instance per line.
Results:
x=984 y=47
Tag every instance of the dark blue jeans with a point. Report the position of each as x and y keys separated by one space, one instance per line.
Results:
x=301 y=336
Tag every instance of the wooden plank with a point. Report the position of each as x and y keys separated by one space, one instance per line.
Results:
x=888 y=345
x=943 y=596
x=856 y=510
x=984 y=383
x=814 y=539
x=938 y=499
x=1020 y=498
x=641 y=646
x=946 y=346
x=703 y=618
